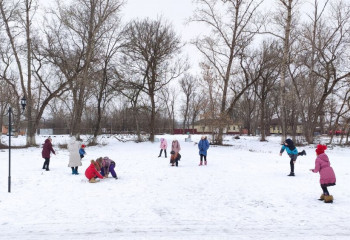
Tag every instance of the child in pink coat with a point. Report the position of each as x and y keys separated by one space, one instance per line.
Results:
x=163 y=146
x=327 y=176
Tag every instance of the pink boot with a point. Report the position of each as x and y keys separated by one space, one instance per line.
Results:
x=200 y=163
x=205 y=162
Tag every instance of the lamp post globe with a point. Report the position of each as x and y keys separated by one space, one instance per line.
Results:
x=23 y=102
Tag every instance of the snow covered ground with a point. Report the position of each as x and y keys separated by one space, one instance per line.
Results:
x=243 y=193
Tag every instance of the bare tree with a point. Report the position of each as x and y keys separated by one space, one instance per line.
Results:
x=268 y=61
x=318 y=71
x=151 y=48
x=230 y=35
x=105 y=77
x=168 y=97
x=285 y=20
x=20 y=14
x=188 y=85
x=85 y=27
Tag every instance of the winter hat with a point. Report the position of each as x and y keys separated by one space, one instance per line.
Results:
x=83 y=146
x=320 y=149
x=290 y=144
x=172 y=152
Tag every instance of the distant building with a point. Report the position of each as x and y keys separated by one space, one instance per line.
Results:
x=275 y=127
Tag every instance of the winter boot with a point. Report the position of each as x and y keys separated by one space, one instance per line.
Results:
x=328 y=199
x=205 y=162
x=92 y=180
x=321 y=197
x=302 y=153
x=291 y=174
x=200 y=163
x=73 y=171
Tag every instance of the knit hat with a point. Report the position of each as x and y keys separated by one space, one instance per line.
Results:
x=83 y=146
x=320 y=149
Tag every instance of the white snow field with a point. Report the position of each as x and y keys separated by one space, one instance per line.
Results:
x=243 y=193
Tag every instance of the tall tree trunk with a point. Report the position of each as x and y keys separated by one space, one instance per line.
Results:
x=153 y=117
x=286 y=48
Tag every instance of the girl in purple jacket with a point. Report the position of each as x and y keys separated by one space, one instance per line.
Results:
x=107 y=166
x=327 y=176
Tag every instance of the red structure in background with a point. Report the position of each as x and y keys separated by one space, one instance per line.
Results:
x=181 y=131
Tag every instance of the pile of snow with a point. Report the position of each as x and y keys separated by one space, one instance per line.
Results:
x=243 y=193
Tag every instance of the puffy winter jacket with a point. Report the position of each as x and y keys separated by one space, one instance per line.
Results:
x=74 y=157
x=323 y=166
x=290 y=152
x=91 y=172
x=47 y=149
x=203 y=146
x=106 y=163
x=82 y=151
x=163 y=143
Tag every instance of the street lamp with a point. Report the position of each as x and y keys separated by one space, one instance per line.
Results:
x=23 y=103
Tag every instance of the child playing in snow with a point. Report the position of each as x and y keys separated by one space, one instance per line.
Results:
x=174 y=158
x=92 y=171
x=46 y=153
x=74 y=158
x=108 y=166
x=327 y=176
x=203 y=147
x=175 y=149
x=82 y=151
x=292 y=151
x=163 y=146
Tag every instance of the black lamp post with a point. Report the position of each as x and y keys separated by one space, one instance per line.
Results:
x=23 y=103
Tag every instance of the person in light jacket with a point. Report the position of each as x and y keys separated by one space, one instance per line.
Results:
x=175 y=148
x=163 y=146
x=203 y=147
x=327 y=175
x=46 y=153
x=74 y=156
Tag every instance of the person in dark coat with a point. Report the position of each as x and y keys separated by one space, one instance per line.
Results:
x=203 y=147
x=174 y=158
x=46 y=153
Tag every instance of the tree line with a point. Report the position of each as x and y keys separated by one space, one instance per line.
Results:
x=85 y=68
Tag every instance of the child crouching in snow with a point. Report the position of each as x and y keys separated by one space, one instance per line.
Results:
x=92 y=171
x=108 y=166
x=174 y=158
x=327 y=176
